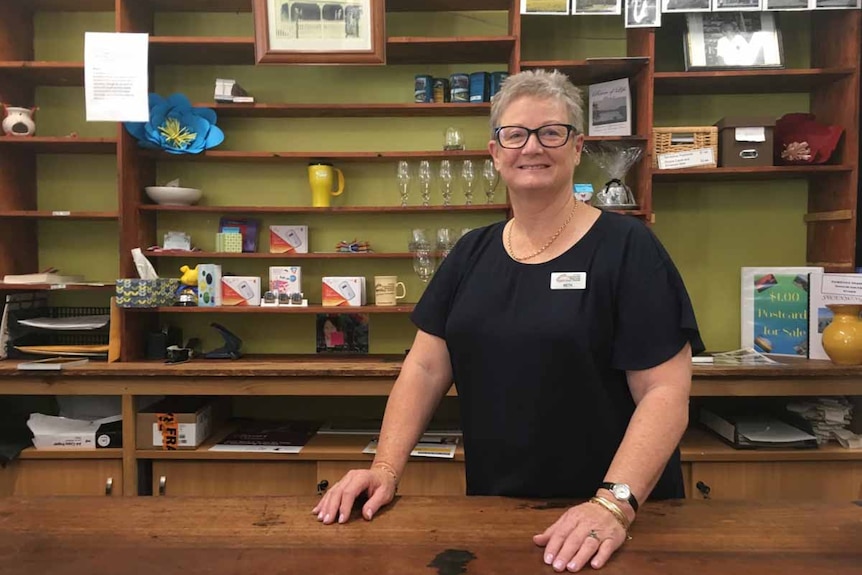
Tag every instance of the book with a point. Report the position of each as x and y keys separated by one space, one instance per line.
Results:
x=268 y=437
x=774 y=303
x=52 y=363
x=42 y=278
x=610 y=108
x=428 y=446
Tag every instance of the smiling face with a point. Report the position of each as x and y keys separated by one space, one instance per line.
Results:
x=535 y=168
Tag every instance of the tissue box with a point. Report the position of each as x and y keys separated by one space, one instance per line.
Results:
x=134 y=292
x=240 y=290
x=230 y=242
x=209 y=285
x=285 y=279
x=343 y=291
x=288 y=239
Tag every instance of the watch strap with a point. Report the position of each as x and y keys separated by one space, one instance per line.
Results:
x=631 y=500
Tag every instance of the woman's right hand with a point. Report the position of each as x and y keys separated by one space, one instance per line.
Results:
x=376 y=483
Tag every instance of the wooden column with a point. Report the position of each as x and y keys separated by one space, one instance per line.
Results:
x=641 y=43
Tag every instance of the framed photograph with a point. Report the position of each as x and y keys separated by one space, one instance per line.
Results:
x=315 y=32
x=668 y=6
x=732 y=41
x=545 y=6
x=593 y=7
x=835 y=4
x=785 y=5
x=643 y=14
x=735 y=5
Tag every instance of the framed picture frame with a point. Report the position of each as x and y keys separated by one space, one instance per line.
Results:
x=735 y=5
x=671 y=6
x=319 y=32
x=642 y=14
x=785 y=5
x=595 y=7
x=559 y=7
x=725 y=41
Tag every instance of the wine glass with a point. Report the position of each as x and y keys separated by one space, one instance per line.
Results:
x=423 y=265
x=445 y=241
x=468 y=176
x=490 y=177
x=445 y=174
x=425 y=182
x=404 y=181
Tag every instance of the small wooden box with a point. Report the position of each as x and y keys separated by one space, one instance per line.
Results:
x=745 y=141
x=667 y=140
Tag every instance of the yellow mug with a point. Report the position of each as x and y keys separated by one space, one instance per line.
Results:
x=320 y=177
x=386 y=290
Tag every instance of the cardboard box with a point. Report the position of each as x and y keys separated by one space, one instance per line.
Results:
x=285 y=279
x=240 y=291
x=343 y=291
x=180 y=422
x=745 y=141
x=134 y=292
x=288 y=239
x=209 y=285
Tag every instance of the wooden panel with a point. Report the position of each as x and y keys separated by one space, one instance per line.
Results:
x=137 y=16
x=42 y=73
x=786 y=480
x=44 y=477
x=391 y=5
x=412 y=110
x=750 y=81
x=426 y=478
x=641 y=42
x=303 y=157
x=232 y=478
x=592 y=71
x=686 y=481
x=16 y=35
x=67 y=5
x=458 y=50
x=748 y=173
x=60 y=145
x=18 y=192
x=334 y=211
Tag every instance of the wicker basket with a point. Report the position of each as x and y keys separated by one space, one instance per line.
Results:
x=704 y=137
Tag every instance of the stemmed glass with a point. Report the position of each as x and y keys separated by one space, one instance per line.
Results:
x=425 y=182
x=490 y=177
x=423 y=264
x=445 y=174
x=404 y=181
x=445 y=241
x=468 y=175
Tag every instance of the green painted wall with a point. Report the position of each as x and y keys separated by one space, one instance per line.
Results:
x=710 y=229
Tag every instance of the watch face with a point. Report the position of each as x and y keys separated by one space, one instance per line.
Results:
x=621 y=491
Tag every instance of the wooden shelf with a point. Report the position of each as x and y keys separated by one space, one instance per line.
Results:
x=591 y=71
x=267 y=256
x=347 y=110
x=239 y=50
x=456 y=50
x=43 y=73
x=700 y=444
x=310 y=309
x=67 y=5
x=746 y=173
x=303 y=157
x=309 y=210
x=245 y=5
x=106 y=453
x=56 y=287
x=60 y=145
x=57 y=215
x=747 y=81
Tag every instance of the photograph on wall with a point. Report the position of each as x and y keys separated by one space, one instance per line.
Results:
x=835 y=4
x=643 y=14
x=739 y=40
x=685 y=6
x=342 y=333
x=544 y=6
x=735 y=5
x=785 y=4
x=593 y=7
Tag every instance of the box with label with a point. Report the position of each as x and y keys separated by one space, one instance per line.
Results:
x=179 y=422
x=285 y=279
x=343 y=291
x=745 y=141
x=209 y=285
x=136 y=292
x=240 y=290
x=288 y=239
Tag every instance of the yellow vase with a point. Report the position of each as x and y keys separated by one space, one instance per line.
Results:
x=842 y=339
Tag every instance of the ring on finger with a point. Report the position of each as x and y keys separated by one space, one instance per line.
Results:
x=593 y=534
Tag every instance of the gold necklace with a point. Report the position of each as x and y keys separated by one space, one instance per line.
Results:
x=547 y=244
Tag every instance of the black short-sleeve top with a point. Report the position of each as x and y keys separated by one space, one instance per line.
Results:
x=539 y=353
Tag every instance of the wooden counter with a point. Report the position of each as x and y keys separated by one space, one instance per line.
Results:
x=267 y=535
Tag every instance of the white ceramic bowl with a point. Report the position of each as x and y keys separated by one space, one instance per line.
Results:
x=173 y=196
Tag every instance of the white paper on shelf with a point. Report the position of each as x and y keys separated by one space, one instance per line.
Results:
x=67 y=323
x=116 y=77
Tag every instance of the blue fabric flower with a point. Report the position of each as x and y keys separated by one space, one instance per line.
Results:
x=176 y=127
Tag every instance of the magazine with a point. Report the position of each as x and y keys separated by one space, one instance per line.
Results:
x=268 y=437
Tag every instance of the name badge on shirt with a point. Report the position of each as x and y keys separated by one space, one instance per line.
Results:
x=568 y=280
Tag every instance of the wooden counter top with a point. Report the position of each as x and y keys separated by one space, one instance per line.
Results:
x=472 y=535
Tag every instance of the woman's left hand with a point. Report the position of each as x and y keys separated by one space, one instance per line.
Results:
x=586 y=533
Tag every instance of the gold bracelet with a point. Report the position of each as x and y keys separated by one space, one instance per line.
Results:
x=387 y=468
x=614 y=509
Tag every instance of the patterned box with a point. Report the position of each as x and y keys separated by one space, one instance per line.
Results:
x=133 y=292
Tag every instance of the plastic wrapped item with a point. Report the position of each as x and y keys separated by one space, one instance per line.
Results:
x=616 y=159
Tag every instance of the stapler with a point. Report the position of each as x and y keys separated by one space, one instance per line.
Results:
x=230 y=349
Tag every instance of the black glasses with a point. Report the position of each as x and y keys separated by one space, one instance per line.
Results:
x=549 y=135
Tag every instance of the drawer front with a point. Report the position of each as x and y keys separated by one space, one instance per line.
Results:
x=420 y=477
x=47 y=477
x=233 y=478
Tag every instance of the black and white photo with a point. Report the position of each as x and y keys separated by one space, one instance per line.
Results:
x=785 y=4
x=735 y=5
x=592 y=7
x=836 y=4
x=738 y=40
x=544 y=6
x=668 y=6
x=642 y=14
x=610 y=108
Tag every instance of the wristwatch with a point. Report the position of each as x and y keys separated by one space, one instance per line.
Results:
x=621 y=492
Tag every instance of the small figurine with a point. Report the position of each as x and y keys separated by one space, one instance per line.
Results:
x=187 y=294
x=18 y=121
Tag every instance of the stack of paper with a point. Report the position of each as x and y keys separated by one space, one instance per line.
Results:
x=428 y=446
x=826 y=415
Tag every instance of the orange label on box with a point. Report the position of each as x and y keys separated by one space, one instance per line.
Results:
x=331 y=297
x=279 y=245
x=169 y=427
x=230 y=296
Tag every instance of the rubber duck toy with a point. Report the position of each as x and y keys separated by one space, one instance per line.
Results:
x=187 y=294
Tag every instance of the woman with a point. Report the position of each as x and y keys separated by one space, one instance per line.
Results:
x=568 y=332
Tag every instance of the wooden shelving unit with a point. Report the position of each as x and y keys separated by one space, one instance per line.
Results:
x=55 y=287
x=409 y=110
x=749 y=81
x=267 y=256
x=310 y=309
x=60 y=145
x=748 y=173
x=43 y=73
x=364 y=157
x=56 y=215
x=105 y=453
x=333 y=211
x=591 y=71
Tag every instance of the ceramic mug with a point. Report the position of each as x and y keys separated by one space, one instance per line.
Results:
x=386 y=290
x=320 y=177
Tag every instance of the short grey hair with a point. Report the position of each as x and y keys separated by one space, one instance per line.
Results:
x=543 y=84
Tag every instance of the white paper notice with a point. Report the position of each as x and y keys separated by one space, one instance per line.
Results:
x=116 y=77
x=750 y=135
